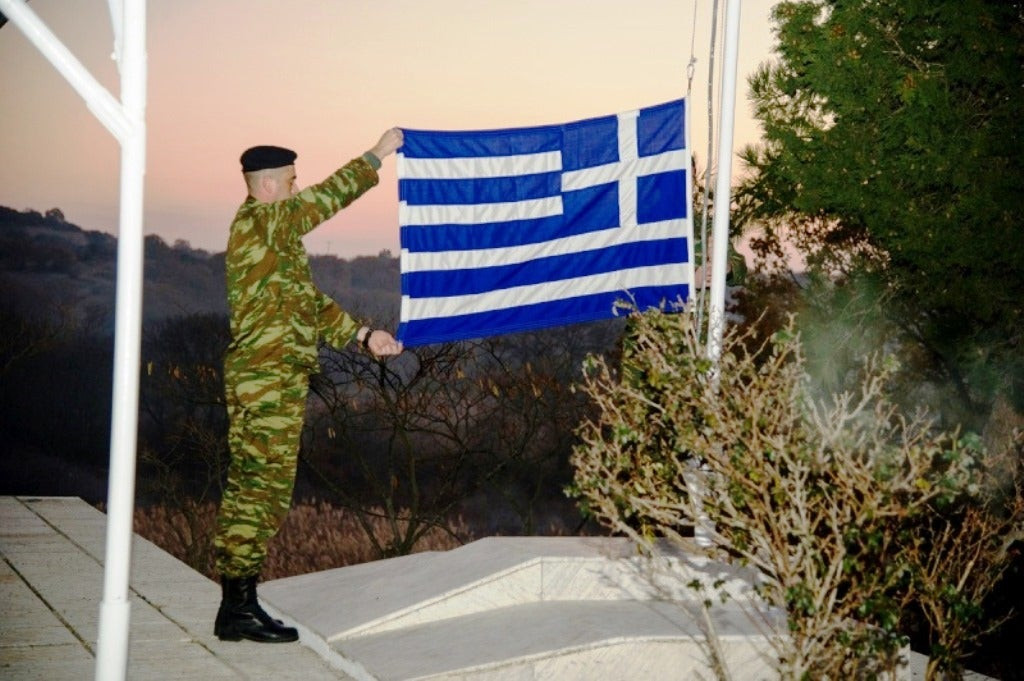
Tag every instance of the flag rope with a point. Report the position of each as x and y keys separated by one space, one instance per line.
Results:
x=701 y=290
x=691 y=66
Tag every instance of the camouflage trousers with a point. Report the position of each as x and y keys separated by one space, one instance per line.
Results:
x=266 y=407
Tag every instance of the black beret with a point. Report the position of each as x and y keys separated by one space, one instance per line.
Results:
x=263 y=157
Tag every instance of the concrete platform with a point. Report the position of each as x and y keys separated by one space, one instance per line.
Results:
x=531 y=608
x=527 y=608
x=500 y=609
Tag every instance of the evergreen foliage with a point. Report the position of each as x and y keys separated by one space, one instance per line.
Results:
x=893 y=148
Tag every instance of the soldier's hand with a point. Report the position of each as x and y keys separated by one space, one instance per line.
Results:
x=383 y=344
x=388 y=143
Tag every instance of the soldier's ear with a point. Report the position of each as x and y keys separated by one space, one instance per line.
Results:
x=267 y=184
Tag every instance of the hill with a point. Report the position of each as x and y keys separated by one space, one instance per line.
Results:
x=48 y=264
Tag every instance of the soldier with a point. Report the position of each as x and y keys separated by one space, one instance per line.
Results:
x=277 y=318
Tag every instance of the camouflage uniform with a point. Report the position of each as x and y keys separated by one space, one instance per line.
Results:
x=277 y=318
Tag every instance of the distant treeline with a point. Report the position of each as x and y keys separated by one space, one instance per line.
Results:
x=47 y=263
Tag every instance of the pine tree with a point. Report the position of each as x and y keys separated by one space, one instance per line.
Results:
x=893 y=147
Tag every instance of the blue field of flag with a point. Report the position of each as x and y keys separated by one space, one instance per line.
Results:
x=526 y=228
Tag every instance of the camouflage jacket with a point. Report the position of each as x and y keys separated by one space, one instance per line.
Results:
x=277 y=313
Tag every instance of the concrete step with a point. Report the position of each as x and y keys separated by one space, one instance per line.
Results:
x=526 y=608
x=622 y=639
x=489 y=574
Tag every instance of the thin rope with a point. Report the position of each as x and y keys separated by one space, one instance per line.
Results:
x=691 y=66
x=708 y=174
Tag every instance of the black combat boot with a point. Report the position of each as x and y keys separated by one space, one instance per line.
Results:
x=240 y=615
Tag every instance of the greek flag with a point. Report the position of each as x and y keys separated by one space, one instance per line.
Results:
x=525 y=228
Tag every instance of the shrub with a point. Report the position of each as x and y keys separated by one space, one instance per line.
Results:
x=849 y=510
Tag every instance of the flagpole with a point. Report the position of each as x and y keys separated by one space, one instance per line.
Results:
x=723 y=183
x=703 y=528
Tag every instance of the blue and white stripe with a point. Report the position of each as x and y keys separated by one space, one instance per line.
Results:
x=519 y=229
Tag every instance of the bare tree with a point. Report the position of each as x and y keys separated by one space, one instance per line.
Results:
x=397 y=435
x=450 y=426
x=183 y=430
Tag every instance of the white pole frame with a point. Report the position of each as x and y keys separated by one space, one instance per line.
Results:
x=723 y=184
x=126 y=121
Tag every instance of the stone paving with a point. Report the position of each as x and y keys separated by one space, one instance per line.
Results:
x=51 y=583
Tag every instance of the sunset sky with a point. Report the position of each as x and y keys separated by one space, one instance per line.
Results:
x=326 y=77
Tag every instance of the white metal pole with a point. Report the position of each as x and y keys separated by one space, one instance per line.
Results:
x=102 y=104
x=112 y=647
x=723 y=197
x=720 y=237
x=117 y=23
x=126 y=121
